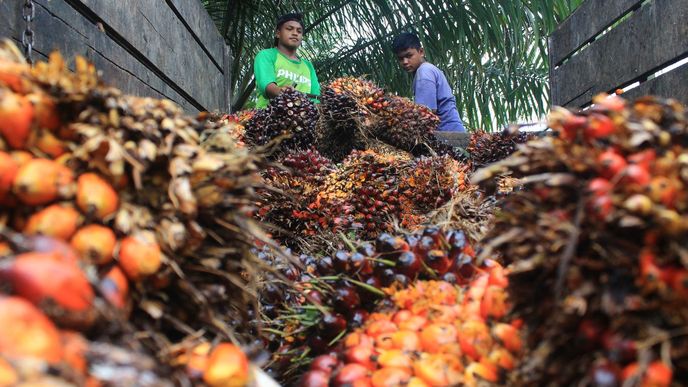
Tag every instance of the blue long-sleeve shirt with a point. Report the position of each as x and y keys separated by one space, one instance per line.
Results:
x=430 y=88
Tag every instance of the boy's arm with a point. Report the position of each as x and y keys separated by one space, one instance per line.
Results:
x=315 y=84
x=264 y=71
x=426 y=89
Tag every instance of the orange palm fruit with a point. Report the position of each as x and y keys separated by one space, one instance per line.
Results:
x=439 y=370
x=414 y=323
x=494 y=303
x=26 y=332
x=45 y=111
x=46 y=142
x=8 y=171
x=395 y=358
x=349 y=374
x=13 y=75
x=74 y=347
x=41 y=181
x=21 y=157
x=358 y=338
x=196 y=360
x=8 y=376
x=95 y=243
x=380 y=326
x=416 y=382
x=479 y=371
x=390 y=377
x=406 y=340
x=139 y=255
x=115 y=287
x=435 y=336
x=16 y=115
x=57 y=221
x=95 y=196
x=502 y=359
x=509 y=336
x=227 y=367
x=475 y=339
x=384 y=341
x=362 y=355
x=39 y=277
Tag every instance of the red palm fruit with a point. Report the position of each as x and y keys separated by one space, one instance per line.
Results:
x=94 y=243
x=599 y=126
x=349 y=374
x=40 y=278
x=571 y=125
x=315 y=378
x=47 y=143
x=414 y=323
x=346 y=298
x=494 y=303
x=401 y=316
x=509 y=336
x=16 y=115
x=41 y=181
x=358 y=338
x=56 y=221
x=439 y=370
x=480 y=371
x=650 y=273
x=406 y=340
x=324 y=363
x=45 y=111
x=599 y=186
x=227 y=367
x=390 y=377
x=601 y=207
x=435 y=336
x=95 y=196
x=438 y=261
x=613 y=103
x=74 y=347
x=8 y=376
x=502 y=359
x=636 y=174
x=610 y=163
x=139 y=255
x=378 y=327
x=657 y=374
x=26 y=332
x=643 y=159
x=498 y=275
x=115 y=287
x=395 y=358
x=360 y=354
x=679 y=282
x=8 y=171
x=14 y=76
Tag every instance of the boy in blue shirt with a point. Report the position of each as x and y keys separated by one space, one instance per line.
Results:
x=430 y=86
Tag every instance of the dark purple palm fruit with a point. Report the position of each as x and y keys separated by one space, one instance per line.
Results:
x=345 y=298
x=331 y=325
x=408 y=264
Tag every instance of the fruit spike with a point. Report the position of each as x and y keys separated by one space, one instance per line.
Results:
x=404 y=124
x=485 y=148
x=289 y=114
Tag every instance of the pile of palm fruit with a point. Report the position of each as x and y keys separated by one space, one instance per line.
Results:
x=595 y=243
x=124 y=242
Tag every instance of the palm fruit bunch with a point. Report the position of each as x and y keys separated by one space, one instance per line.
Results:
x=430 y=182
x=292 y=187
x=290 y=116
x=335 y=293
x=233 y=127
x=405 y=124
x=431 y=333
x=486 y=148
x=125 y=183
x=363 y=91
x=469 y=210
x=361 y=194
x=596 y=247
x=341 y=120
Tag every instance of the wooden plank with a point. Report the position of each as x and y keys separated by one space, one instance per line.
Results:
x=202 y=25
x=673 y=84
x=633 y=49
x=228 y=78
x=10 y=16
x=151 y=27
x=591 y=18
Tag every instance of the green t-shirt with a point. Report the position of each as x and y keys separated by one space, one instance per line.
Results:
x=271 y=66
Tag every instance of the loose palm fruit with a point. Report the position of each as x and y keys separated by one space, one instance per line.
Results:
x=94 y=243
x=45 y=111
x=390 y=377
x=16 y=114
x=26 y=332
x=8 y=376
x=115 y=287
x=227 y=367
x=47 y=143
x=57 y=221
x=74 y=347
x=41 y=181
x=95 y=196
x=139 y=255
x=8 y=171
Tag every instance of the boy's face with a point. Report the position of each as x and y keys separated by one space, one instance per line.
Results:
x=411 y=58
x=290 y=34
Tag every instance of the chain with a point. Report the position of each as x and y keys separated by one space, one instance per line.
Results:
x=27 y=39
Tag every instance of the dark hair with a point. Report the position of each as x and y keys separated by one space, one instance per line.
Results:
x=287 y=17
x=404 y=41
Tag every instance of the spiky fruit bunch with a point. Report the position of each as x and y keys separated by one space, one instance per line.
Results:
x=595 y=236
x=405 y=124
x=363 y=91
x=430 y=182
x=291 y=115
x=342 y=120
x=363 y=194
x=309 y=165
x=486 y=148
x=433 y=335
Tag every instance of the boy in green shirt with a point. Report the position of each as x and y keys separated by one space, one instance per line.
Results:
x=279 y=67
